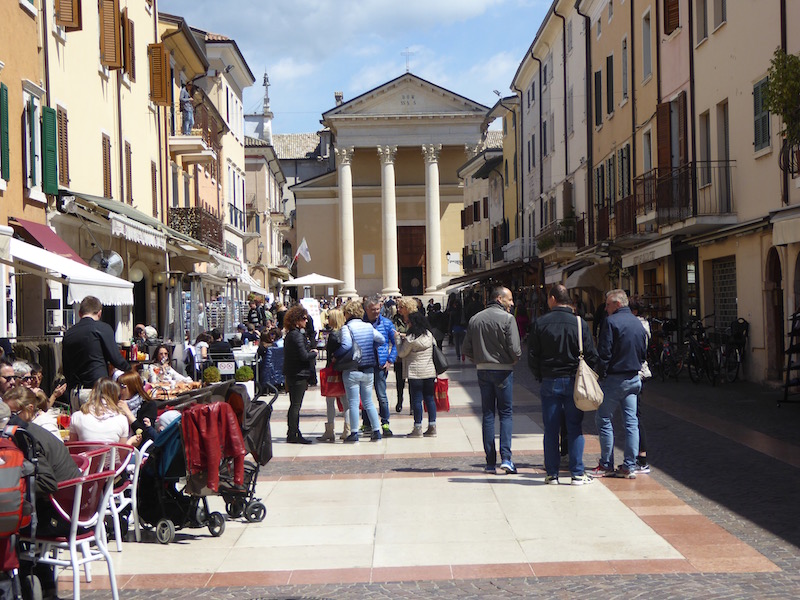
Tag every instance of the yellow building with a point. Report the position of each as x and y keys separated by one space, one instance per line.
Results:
x=385 y=220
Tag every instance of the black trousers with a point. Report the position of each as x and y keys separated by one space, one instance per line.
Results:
x=297 y=389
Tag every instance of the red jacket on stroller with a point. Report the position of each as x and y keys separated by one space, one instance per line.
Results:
x=210 y=433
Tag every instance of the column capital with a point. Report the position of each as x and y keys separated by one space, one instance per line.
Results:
x=431 y=152
x=387 y=154
x=345 y=155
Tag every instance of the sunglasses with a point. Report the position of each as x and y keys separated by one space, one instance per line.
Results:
x=10 y=377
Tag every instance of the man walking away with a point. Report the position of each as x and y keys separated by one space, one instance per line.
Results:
x=622 y=346
x=88 y=348
x=492 y=343
x=553 y=358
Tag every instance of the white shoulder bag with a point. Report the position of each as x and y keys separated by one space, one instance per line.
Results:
x=588 y=395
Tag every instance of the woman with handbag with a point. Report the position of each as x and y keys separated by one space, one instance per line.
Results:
x=405 y=306
x=297 y=367
x=416 y=349
x=335 y=322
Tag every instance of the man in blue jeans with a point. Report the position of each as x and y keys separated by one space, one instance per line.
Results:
x=553 y=357
x=622 y=346
x=387 y=355
x=492 y=343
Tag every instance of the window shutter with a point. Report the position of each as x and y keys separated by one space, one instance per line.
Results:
x=63 y=147
x=128 y=174
x=159 y=74
x=68 y=14
x=4 y=153
x=32 y=175
x=128 y=44
x=598 y=98
x=106 y=166
x=663 y=138
x=761 y=116
x=463 y=220
x=111 y=54
x=486 y=208
x=672 y=16
x=610 y=84
x=683 y=148
x=49 y=151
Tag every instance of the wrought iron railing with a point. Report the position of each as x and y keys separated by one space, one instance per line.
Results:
x=198 y=223
x=625 y=216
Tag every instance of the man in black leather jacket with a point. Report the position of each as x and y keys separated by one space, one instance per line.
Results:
x=553 y=357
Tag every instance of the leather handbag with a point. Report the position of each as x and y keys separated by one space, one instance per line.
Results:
x=439 y=359
x=588 y=395
x=331 y=384
x=350 y=359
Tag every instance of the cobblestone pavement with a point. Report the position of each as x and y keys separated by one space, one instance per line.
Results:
x=749 y=493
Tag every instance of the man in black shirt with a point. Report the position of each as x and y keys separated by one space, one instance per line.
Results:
x=219 y=348
x=89 y=346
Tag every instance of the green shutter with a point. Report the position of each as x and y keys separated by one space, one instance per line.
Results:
x=32 y=147
x=49 y=151
x=4 y=159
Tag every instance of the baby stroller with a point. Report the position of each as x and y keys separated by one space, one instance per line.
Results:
x=161 y=503
x=258 y=442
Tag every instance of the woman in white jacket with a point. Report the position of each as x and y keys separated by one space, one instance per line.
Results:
x=416 y=349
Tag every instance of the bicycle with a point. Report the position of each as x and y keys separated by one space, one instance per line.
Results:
x=702 y=358
x=654 y=348
x=671 y=358
x=732 y=350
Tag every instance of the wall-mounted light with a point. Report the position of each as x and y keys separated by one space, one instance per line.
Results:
x=160 y=277
x=135 y=274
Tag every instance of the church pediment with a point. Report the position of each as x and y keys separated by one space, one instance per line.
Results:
x=407 y=96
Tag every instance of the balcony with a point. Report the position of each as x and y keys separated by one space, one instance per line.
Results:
x=474 y=262
x=625 y=217
x=236 y=216
x=199 y=224
x=669 y=199
x=581 y=235
x=498 y=255
x=523 y=248
x=204 y=140
x=603 y=229
x=557 y=240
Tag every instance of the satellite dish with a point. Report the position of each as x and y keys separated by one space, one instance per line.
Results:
x=107 y=262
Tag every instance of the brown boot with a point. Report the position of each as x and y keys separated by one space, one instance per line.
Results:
x=328 y=436
x=346 y=430
x=430 y=431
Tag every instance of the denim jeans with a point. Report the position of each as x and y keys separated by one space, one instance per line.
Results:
x=458 y=339
x=188 y=122
x=619 y=391
x=496 y=395
x=380 y=393
x=419 y=390
x=358 y=385
x=557 y=401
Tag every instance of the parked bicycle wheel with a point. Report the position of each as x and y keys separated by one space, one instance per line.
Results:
x=732 y=361
x=712 y=364
x=695 y=367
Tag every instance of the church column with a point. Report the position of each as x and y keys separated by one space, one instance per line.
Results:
x=389 y=213
x=433 y=236
x=347 y=248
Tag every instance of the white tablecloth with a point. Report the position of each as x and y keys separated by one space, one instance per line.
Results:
x=245 y=355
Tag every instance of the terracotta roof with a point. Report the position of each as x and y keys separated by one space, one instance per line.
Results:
x=494 y=139
x=296 y=145
x=217 y=37
x=251 y=141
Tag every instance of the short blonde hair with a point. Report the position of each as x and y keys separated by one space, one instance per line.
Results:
x=407 y=303
x=353 y=308
x=335 y=318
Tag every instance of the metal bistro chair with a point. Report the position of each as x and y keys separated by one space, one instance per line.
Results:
x=82 y=502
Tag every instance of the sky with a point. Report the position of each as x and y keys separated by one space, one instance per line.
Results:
x=313 y=48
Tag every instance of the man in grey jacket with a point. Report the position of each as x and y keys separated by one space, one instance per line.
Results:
x=492 y=343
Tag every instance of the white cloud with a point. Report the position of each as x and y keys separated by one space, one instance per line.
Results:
x=287 y=70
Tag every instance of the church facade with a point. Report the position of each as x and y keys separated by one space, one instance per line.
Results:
x=386 y=220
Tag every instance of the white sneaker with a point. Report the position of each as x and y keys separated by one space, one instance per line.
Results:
x=582 y=480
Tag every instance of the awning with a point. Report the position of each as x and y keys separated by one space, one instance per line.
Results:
x=133 y=231
x=81 y=279
x=647 y=253
x=786 y=226
x=593 y=276
x=225 y=267
x=5 y=242
x=554 y=273
x=254 y=286
x=48 y=239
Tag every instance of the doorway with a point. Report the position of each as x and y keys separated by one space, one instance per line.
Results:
x=411 y=259
x=773 y=305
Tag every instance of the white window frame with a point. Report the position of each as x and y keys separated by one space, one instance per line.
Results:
x=647 y=66
x=647 y=150
x=624 y=70
x=33 y=189
x=701 y=21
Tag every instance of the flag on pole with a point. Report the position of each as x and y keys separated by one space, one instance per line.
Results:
x=302 y=250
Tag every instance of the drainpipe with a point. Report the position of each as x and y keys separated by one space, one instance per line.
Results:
x=163 y=152
x=632 y=164
x=564 y=65
x=785 y=175
x=121 y=143
x=693 y=110
x=541 y=147
x=46 y=47
x=520 y=221
x=589 y=120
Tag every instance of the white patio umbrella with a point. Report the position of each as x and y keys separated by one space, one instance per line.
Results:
x=311 y=280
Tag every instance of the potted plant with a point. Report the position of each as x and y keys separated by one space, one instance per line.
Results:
x=245 y=376
x=782 y=97
x=211 y=375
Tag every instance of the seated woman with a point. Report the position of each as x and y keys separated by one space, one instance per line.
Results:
x=162 y=371
x=44 y=415
x=139 y=402
x=104 y=417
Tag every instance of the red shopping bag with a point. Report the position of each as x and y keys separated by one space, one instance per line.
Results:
x=331 y=382
x=441 y=394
